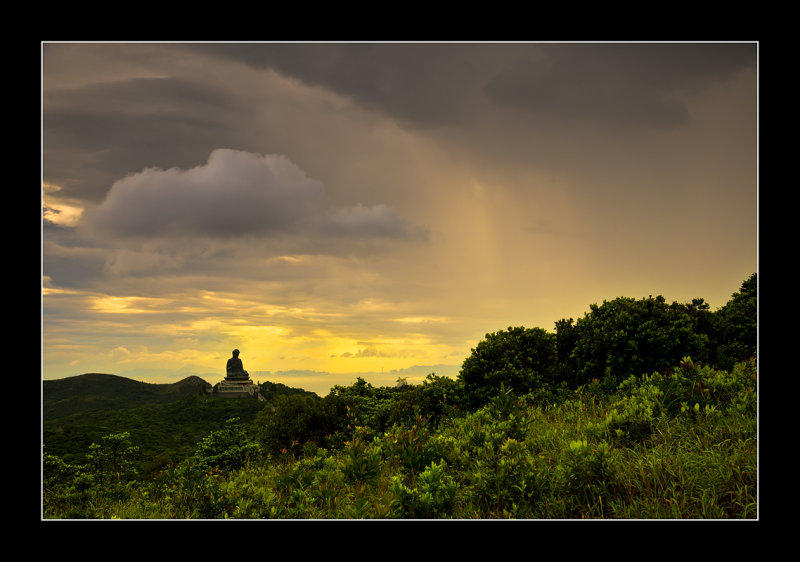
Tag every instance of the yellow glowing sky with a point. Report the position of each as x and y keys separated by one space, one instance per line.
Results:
x=343 y=210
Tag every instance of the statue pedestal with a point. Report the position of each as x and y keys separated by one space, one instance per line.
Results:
x=237 y=386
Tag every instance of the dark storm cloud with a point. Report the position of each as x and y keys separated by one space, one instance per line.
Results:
x=432 y=84
x=68 y=260
x=621 y=83
x=101 y=132
x=235 y=193
x=415 y=83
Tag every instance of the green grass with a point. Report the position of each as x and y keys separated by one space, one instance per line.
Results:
x=641 y=453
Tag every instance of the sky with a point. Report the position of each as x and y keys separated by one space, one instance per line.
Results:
x=344 y=210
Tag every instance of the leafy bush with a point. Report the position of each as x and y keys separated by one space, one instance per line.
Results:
x=292 y=420
x=432 y=496
x=625 y=337
x=521 y=359
x=688 y=390
x=411 y=448
x=735 y=326
x=227 y=449
x=112 y=460
x=361 y=462
x=586 y=476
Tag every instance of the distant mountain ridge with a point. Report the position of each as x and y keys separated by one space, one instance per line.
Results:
x=165 y=420
x=100 y=391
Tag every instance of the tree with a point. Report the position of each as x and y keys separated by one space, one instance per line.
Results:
x=626 y=337
x=294 y=419
x=566 y=339
x=228 y=449
x=440 y=397
x=112 y=460
x=701 y=315
x=437 y=398
x=521 y=359
x=735 y=326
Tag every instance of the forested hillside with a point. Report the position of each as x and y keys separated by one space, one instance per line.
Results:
x=640 y=409
x=165 y=420
x=97 y=392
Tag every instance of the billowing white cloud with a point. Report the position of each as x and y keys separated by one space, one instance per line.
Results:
x=235 y=193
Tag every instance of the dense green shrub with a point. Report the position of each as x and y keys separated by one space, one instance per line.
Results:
x=411 y=447
x=735 y=326
x=625 y=337
x=688 y=390
x=521 y=359
x=292 y=420
x=566 y=339
x=585 y=477
x=89 y=491
x=64 y=487
x=361 y=462
x=227 y=449
x=433 y=494
x=112 y=460
x=436 y=399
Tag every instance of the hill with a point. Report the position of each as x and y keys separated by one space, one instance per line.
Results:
x=165 y=420
x=99 y=392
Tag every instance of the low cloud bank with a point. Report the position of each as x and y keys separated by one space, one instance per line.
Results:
x=236 y=193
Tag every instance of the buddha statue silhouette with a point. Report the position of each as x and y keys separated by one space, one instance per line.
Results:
x=235 y=369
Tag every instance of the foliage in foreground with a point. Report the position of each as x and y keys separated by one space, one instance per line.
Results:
x=674 y=444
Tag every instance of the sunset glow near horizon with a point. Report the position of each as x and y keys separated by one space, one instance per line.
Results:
x=374 y=210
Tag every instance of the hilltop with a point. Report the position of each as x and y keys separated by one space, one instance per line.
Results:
x=99 y=392
x=167 y=420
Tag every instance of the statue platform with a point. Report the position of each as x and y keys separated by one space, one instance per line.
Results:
x=237 y=385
